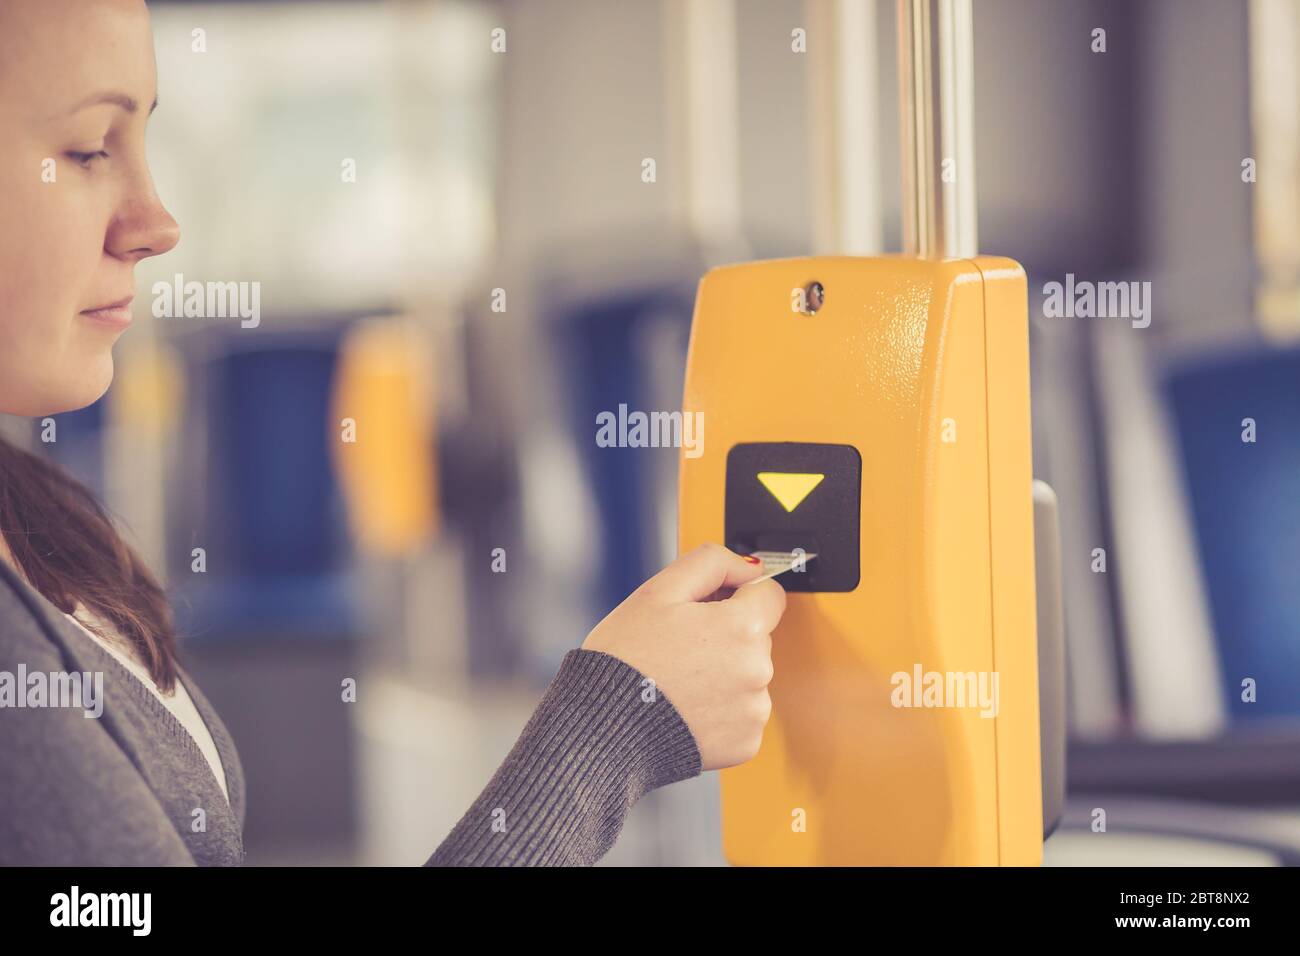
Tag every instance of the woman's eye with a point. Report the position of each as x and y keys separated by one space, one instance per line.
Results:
x=84 y=160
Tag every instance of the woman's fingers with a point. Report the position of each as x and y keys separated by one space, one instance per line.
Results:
x=712 y=661
x=756 y=607
x=700 y=572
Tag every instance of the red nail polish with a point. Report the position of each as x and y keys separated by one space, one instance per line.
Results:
x=753 y=560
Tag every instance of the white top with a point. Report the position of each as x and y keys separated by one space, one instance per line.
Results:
x=179 y=702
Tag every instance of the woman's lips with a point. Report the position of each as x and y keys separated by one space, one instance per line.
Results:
x=115 y=314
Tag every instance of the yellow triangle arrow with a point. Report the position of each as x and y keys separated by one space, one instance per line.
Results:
x=789 y=488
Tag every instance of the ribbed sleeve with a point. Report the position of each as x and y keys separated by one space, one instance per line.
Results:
x=600 y=738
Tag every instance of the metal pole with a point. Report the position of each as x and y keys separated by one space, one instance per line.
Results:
x=1275 y=132
x=936 y=85
x=703 y=99
x=844 y=141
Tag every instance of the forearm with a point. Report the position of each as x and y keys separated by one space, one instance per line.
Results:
x=601 y=737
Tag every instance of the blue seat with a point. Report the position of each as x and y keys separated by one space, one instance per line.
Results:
x=598 y=346
x=1245 y=500
x=277 y=558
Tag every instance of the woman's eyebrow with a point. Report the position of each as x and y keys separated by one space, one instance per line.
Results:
x=127 y=103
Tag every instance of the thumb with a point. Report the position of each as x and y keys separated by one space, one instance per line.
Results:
x=700 y=572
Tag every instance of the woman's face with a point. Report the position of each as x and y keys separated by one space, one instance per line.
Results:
x=77 y=205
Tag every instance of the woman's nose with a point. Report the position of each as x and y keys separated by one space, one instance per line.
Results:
x=142 y=228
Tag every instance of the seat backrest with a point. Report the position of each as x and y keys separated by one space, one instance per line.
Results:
x=1238 y=425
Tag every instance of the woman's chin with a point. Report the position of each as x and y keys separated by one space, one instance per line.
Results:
x=96 y=383
x=85 y=390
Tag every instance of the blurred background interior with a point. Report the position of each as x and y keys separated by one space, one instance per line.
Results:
x=498 y=273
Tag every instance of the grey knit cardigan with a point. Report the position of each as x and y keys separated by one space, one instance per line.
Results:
x=130 y=787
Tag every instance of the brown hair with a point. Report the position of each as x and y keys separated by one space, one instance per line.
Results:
x=66 y=546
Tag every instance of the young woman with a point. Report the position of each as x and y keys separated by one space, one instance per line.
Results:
x=154 y=778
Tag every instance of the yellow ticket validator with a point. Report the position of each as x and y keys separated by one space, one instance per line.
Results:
x=888 y=432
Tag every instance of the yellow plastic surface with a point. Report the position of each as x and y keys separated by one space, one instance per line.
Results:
x=923 y=366
x=388 y=470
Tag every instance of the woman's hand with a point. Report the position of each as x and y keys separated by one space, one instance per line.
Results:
x=711 y=654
